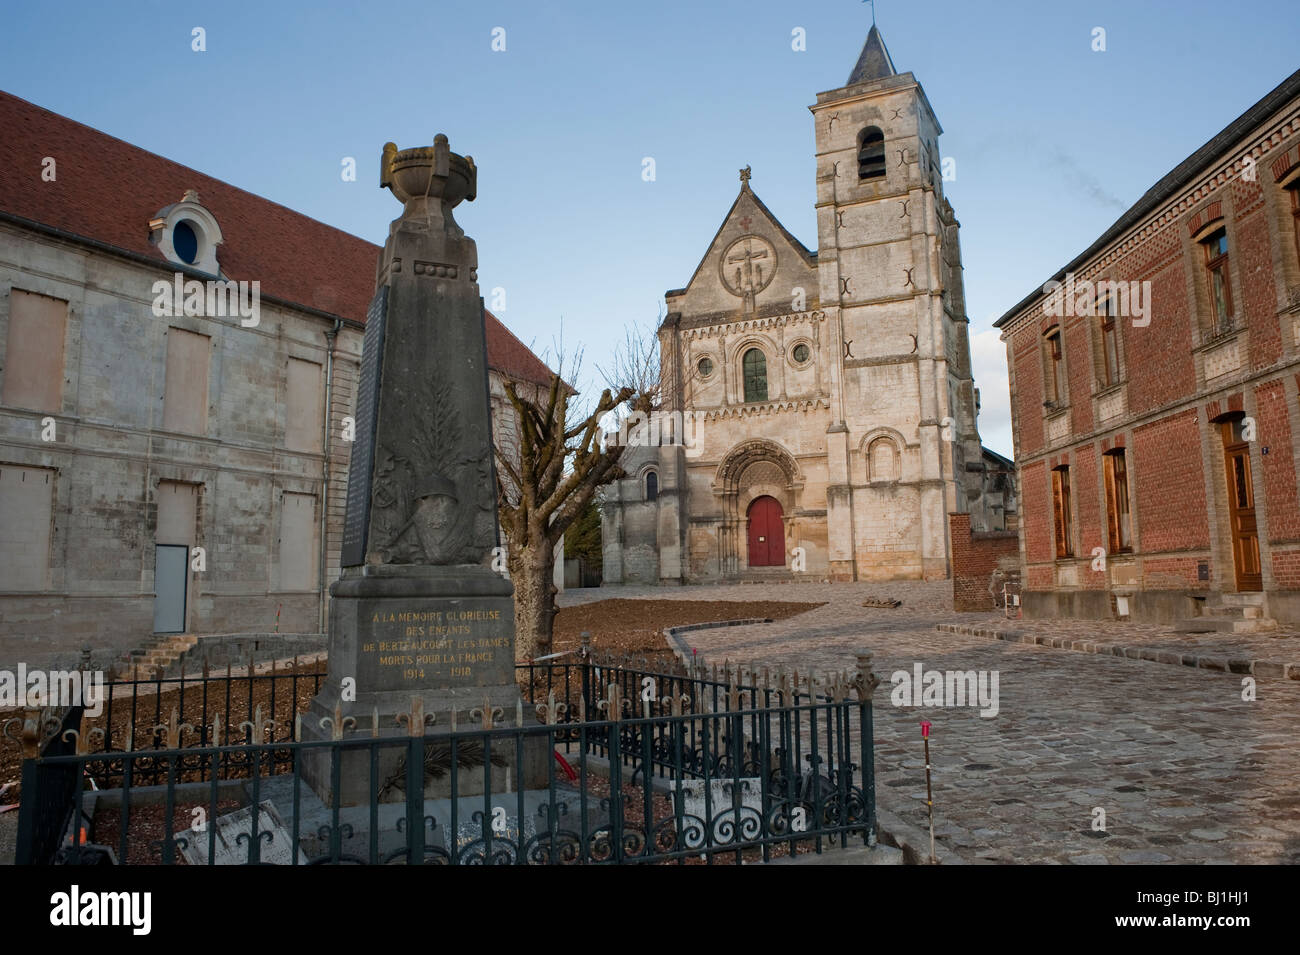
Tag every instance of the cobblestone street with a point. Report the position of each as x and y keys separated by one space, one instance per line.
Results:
x=1184 y=768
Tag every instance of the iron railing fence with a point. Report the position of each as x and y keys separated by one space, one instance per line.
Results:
x=732 y=769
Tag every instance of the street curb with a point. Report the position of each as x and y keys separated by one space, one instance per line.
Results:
x=1264 y=669
x=914 y=843
x=683 y=650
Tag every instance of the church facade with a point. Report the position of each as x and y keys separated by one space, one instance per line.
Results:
x=818 y=408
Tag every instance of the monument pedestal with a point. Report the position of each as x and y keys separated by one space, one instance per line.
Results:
x=439 y=636
x=419 y=623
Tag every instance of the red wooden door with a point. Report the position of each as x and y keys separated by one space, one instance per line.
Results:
x=766 y=533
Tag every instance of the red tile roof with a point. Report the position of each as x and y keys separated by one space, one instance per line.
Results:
x=107 y=190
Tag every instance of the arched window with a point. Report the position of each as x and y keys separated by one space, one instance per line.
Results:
x=871 y=153
x=652 y=486
x=882 y=460
x=754 y=365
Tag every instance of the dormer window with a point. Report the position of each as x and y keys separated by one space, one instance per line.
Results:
x=187 y=234
x=185 y=241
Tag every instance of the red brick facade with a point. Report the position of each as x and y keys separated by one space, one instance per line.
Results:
x=1187 y=369
x=975 y=559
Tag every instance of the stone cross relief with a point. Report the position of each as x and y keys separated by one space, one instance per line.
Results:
x=753 y=273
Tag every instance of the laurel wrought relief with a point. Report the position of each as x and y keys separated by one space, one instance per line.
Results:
x=428 y=490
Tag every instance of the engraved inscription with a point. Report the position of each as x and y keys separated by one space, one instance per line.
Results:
x=457 y=645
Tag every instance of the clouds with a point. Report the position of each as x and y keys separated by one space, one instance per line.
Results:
x=1083 y=182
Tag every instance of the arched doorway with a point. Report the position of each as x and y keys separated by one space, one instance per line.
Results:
x=766 y=533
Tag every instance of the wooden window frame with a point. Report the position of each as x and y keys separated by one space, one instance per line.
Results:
x=1119 y=503
x=1063 y=525
x=1054 y=356
x=1294 y=189
x=1216 y=264
x=1109 y=341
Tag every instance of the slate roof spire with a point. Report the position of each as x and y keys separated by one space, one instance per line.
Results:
x=874 y=62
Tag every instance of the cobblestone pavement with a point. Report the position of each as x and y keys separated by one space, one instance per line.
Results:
x=1184 y=768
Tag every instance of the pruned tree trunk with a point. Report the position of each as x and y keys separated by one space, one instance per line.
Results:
x=532 y=573
x=542 y=488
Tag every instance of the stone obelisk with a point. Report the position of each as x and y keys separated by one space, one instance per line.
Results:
x=417 y=615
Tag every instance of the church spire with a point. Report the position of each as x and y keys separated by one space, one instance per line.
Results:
x=874 y=62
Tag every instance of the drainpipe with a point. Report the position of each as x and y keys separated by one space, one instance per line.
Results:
x=330 y=337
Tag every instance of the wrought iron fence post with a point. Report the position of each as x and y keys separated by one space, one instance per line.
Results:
x=615 y=751
x=25 y=850
x=865 y=682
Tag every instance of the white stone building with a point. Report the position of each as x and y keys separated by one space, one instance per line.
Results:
x=130 y=437
x=826 y=405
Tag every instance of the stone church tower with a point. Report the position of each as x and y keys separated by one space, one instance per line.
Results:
x=819 y=414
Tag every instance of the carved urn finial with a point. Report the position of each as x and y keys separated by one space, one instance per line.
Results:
x=428 y=180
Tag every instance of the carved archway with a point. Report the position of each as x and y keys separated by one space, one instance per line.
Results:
x=753 y=469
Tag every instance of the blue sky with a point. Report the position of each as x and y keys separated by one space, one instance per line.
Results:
x=1051 y=139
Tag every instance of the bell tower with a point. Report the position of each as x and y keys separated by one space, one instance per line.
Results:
x=890 y=278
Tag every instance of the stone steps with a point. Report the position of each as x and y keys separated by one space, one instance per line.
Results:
x=1234 y=613
x=160 y=653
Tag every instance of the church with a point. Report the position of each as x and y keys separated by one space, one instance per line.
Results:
x=823 y=404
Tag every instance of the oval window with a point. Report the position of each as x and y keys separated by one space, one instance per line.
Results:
x=706 y=367
x=801 y=353
x=185 y=241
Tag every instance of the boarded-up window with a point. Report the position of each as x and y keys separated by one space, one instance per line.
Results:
x=33 y=368
x=26 y=499
x=303 y=403
x=177 y=511
x=298 y=542
x=185 y=402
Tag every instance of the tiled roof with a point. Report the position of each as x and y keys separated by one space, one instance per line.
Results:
x=107 y=190
x=874 y=62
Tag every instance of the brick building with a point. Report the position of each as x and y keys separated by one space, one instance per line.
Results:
x=1154 y=396
x=128 y=438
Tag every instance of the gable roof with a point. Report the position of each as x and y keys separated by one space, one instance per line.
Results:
x=809 y=257
x=105 y=192
x=1172 y=182
x=874 y=62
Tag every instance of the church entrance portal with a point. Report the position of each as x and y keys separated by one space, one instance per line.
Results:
x=766 y=533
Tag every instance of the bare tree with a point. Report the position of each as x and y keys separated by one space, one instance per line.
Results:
x=546 y=482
